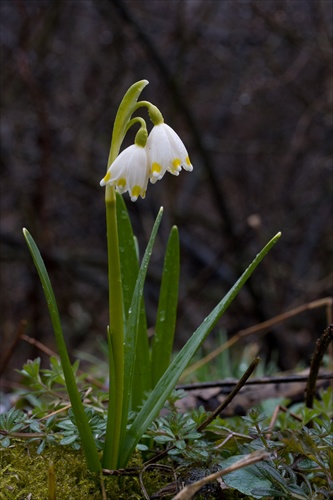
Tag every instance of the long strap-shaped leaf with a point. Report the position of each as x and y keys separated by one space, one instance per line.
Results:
x=129 y=262
x=166 y=384
x=88 y=443
x=129 y=265
x=132 y=323
x=167 y=309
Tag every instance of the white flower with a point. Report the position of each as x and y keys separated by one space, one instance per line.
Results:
x=129 y=172
x=166 y=152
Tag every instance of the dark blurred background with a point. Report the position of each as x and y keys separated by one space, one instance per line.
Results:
x=247 y=84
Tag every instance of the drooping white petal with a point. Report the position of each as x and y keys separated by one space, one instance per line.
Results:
x=179 y=148
x=166 y=152
x=129 y=172
x=138 y=173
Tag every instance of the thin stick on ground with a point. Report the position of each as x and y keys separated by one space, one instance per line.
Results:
x=321 y=347
x=218 y=410
x=326 y=302
x=188 y=492
x=231 y=396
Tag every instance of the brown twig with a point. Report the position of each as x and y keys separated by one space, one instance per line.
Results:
x=188 y=492
x=321 y=347
x=231 y=396
x=102 y=483
x=163 y=468
x=22 y=435
x=46 y=350
x=18 y=335
x=133 y=471
x=279 y=408
x=272 y=421
x=261 y=328
x=255 y=381
x=291 y=413
x=51 y=482
x=218 y=410
x=231 y=435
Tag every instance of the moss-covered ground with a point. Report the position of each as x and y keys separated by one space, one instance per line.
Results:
x=25 y=475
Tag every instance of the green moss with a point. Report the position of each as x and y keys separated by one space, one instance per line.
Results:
x=24 y=474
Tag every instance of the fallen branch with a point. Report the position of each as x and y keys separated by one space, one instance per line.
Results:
x=190 y=490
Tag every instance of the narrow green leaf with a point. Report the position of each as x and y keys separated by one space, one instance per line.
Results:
x=127 y=252
x=129 y=265
x=133 y=320
x=167 y=309
x=166 y=384
x=109 y=460
x=88 y=443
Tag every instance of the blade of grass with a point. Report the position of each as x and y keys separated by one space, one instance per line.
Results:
x=166 y=384
x=127 y=252
x=132 y=323
x=167 y=309
x=129 y=271
x=108 y=458
x=88 y=443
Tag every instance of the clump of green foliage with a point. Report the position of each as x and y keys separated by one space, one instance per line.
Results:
x=43 y=432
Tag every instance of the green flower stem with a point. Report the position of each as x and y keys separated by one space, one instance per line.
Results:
x=116 y=306
x=115 y=336
x=154 y=113
x=137 y=119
